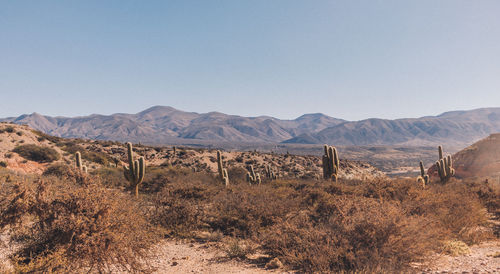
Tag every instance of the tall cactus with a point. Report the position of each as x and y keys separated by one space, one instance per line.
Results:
x=270 y=173
x=222 y=171
x=78 y=160
x=136 y=170
x=444 y=166
x=252 y=177
x=330 y=163
x=423 y=178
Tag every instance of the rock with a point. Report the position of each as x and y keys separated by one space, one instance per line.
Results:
x=274 y=264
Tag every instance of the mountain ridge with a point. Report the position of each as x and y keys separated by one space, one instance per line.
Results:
x=164 y=125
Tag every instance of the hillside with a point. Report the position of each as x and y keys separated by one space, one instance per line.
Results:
x=166 y=125
x=480 y=159
x=97 y=154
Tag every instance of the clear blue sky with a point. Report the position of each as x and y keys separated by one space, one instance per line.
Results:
x=348 y=59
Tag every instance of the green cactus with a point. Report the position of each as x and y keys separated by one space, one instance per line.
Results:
x=423 y=179
x=222 y=171
x=136 y=170
x=252 y=177
x=79 y=165
x=444 y=166
x=270 y=173
x=331 y=163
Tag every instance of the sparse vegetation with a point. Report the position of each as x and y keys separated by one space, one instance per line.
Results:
x=316 y=226
x=66 y=219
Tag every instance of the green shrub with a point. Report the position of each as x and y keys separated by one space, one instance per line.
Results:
x=3 y=164
x=37 y=153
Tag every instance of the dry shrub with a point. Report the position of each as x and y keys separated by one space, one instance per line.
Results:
x=245 y=210
x=488 y=191
x=456 y=248
x=62 y=171
x=350 y=233
x=111 y=177
x=321 y=226
x=457 y=210
x=63 y=227
x=180 y=206
x=235 y=248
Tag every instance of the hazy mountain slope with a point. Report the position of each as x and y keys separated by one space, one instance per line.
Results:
x=459 y=127
x=161 y=125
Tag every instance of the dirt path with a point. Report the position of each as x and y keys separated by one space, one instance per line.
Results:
x=176 y=257
x=173 y=256
x=483 y=258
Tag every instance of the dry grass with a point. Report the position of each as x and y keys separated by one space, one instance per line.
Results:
x=65 y=227
x=321 y=226
x=309 y=225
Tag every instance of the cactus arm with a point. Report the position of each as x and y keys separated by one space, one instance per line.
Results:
x=226 y=177
x=336 y=159
x=422 y=171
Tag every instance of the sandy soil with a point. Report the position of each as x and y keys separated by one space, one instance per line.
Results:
x=176 y=256
x=173 y=256
x=483 y=258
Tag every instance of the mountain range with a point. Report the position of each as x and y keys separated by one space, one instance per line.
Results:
x=166 y=125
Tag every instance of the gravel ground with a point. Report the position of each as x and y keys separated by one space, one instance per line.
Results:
x=483 y=258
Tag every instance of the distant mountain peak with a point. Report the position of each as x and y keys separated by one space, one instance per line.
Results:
x=312 y=115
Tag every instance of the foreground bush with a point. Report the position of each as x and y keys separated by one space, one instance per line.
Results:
x=373 y=225
x=62 y=227
x=37 y=153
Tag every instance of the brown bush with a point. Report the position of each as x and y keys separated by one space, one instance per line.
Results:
x=310 y=225
x=245 y=210
x=111 y=177
x=180 y=206
x=350 y=233
x=62 y=227
x=60 y=170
